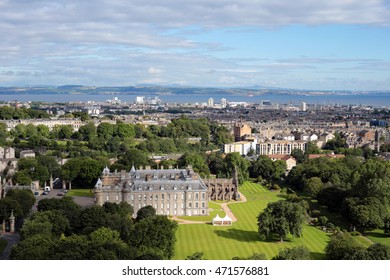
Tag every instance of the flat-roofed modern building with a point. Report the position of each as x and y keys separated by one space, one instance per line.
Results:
x=280 y=147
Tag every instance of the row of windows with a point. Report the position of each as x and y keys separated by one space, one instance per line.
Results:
x=168 y=206
x=167 y=196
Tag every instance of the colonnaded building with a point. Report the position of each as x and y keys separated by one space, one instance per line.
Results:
x=177 y=192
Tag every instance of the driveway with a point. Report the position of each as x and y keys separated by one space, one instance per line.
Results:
x=11 y=239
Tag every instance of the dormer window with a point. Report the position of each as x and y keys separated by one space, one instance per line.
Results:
x=189 y=187
x=162 y=188
x=174 y=187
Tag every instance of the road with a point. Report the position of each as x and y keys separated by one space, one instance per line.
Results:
x=11 y=239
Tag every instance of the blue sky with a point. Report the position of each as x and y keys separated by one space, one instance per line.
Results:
x=303 y=44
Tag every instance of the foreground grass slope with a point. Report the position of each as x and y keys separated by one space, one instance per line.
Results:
x=241 y=239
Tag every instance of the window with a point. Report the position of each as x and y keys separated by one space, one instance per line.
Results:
x=162 y=196
x=155 y=206
x=175 y=196
x=168 y=206
x=203 y=205
x=139 y=197
x=203 y=195
x=196 y=196
x=196 y=205
x=117 y=198
x=162 y=205
x=132 y=197
x=189 y=205
x=156 y=197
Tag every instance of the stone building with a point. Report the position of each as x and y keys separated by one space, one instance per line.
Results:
x=240 y=130
x=174 y=192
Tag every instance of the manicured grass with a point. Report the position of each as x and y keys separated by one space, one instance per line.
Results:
x=3 y=245
x=241 y=239
x=378 y=236
x=80 y=192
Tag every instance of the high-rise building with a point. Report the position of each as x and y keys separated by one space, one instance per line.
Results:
x=139 y=100
x=223 y=102
x=210 y=102
x=303 y=107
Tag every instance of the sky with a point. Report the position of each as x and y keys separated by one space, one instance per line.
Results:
x=300 y=44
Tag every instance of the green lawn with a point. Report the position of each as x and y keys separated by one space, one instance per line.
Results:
x=378 y=236
x=80 y=192
x=241 y=239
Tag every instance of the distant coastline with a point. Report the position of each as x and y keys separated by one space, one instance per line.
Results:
x=77 y=93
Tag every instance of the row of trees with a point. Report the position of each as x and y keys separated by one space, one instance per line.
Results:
x=62 y=230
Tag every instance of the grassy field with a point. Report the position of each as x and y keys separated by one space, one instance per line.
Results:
x=378 y=236
x=241 y=239
x=80 y=192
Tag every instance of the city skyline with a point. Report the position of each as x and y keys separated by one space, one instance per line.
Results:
x=340 y=45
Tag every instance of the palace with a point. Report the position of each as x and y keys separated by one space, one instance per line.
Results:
x=177 y=192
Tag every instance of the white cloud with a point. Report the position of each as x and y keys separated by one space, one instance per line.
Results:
x=155 y=71
x=116 y=42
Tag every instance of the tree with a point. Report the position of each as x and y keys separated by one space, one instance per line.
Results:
x=197 y=161
x=255 y=256
x=87 y=131
x=36 y=247
x=156 y=233
x=82 y=171
x=332 y=197
x=267 y=168
x=313 y=186
x=294 y=253
x=25 y=199
x=312 y=148
x=281 y=218
x=105 y=131
x=123 y=130
x=342 y=246
x=57 y=219
x=145 y=212
x=235 y=160
x=366 y=213
x=379 y=251
x=195 y=256
x=299 y=155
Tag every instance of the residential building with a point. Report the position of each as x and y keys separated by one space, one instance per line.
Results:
x=242 y=147
x=279 y=147
x=240 y=130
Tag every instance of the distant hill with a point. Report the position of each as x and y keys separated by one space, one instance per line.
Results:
x=256 y=90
